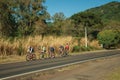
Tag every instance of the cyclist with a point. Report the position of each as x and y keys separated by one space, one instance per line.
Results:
x=67 y=49
x=30 y=55
x=61 y=50
x=43 y=51
x=52 y=52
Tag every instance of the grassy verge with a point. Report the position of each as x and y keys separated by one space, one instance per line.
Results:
x=115 y=75
x=11 y=59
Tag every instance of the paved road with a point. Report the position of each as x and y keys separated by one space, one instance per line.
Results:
x=12 y=69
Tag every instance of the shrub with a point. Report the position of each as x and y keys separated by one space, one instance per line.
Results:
x=76 y=49
x=83 y=48
x=108 y=38
x=89 y=48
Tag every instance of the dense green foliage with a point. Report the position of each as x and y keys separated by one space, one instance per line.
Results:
x=20 y=17
x=108 y=12
x=84 y=23
x=86 y=19
x=102 y=17
x=83 y=48
x=109 y=38
x=60 y=25
x=105 y=17
x=7 y=21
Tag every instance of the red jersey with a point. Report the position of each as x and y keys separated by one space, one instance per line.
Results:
x=67 y=47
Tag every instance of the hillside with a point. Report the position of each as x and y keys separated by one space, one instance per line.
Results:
x=107 y=12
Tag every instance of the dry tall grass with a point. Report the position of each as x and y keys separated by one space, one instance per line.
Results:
x=8 y=47
x=19 y=46
x=11 y=49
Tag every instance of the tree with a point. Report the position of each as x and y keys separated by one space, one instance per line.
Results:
x=20 y=16
x=114 y=25
x=108 y=38
x=40 y=28
x=68 y=27
x=58 y=17
x=29 y=12
x=58 y=21
x=85 y=20
x=8 y=25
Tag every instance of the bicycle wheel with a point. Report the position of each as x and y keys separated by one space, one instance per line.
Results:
x=41 y=55
x=27 y=57
x=65 y=54
x=33 y=57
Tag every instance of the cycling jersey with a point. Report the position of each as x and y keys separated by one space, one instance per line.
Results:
x=30 y=50
x=44 y=49
x=52 y=49
x=61 y=47
x=67 y=47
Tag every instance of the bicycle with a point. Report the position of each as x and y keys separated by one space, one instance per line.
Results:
x=42 y=55
x=30 y=56
x=65 y=53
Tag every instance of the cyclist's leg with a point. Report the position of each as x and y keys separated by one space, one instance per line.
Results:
x=53 y=54
x=28 y=56
x=49 y=54
x=59 y=53
x=33 y=56
x=66 y=52
x=41 y=55
x=63 y=51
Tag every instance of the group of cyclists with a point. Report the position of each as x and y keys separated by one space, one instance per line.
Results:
x=43 y=53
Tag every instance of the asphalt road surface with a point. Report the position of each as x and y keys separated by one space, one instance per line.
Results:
x=13 y=69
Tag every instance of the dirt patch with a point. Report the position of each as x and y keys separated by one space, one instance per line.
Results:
x=115 y=75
